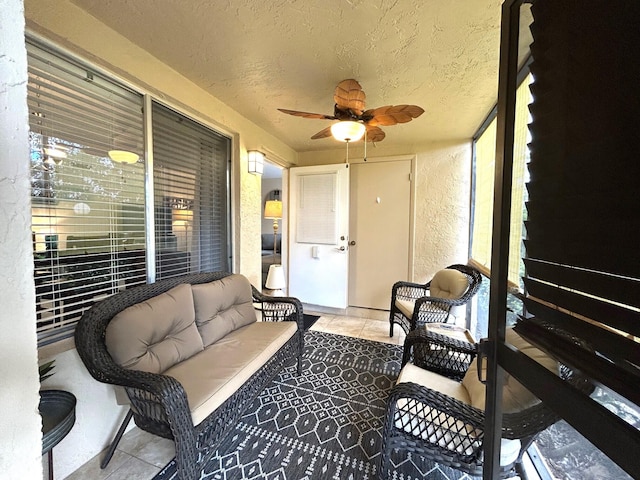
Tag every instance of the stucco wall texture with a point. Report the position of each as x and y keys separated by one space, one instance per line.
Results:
x=20 y=437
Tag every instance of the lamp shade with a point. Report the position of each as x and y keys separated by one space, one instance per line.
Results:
x=256 y=162
x=123 y=156
x=275 y=278
x=347 y=131
x=273 y=209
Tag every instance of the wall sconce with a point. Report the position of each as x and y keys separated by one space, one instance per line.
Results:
x=256 y=162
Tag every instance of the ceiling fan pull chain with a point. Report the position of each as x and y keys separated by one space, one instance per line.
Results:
x=365 y=145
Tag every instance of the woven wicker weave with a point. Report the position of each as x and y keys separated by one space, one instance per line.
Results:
x=159 y=402
x=428 y=309
x=454 y=430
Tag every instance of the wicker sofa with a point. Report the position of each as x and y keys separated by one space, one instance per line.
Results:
x=191 y=355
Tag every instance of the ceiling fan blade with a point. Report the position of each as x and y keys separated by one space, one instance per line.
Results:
x=374 y=134
x=322 y=134
x=296 y=113
x=393 y=114
x=349 y=95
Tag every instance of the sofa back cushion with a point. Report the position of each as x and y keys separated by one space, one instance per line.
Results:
x=448 y=283
x=223 y=306
x=154 y=335
x=515 y=397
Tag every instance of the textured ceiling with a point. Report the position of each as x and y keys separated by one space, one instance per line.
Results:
x=256 y=56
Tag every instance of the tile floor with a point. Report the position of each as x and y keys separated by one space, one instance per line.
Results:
x=140 y=455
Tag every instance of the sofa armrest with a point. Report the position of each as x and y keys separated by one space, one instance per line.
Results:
x=278 y=309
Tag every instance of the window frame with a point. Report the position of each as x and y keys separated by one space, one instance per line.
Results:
x=148 y=271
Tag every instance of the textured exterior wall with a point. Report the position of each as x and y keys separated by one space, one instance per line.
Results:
x=20 y=437
x=442 y=208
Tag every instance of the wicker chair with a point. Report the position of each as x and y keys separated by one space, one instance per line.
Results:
x=432 y=422
x=414 y=304
x=159 y=402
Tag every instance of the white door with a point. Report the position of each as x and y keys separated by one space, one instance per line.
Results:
x=318 y=234
x=380 y=230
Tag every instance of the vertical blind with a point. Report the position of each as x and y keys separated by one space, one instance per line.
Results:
x=190 y=181
x=88 y=210
x=485 y=152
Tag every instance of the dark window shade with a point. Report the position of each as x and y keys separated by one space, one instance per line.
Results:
x=87 y=210
x=191 y=194
x=583 y=261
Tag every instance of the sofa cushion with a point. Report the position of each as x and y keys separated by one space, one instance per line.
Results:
x=154 y=335
x=215 y=374
x=515 y=397
x=222 y=306
x=448 y=283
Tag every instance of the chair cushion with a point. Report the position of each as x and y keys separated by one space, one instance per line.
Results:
x=407 y=306
x=448 y=283
x=154 y=335
x=213 y=375
x=439 y=427
x=515 y=397
x=222 y=306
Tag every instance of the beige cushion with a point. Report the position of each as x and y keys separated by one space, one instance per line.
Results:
x=449 y=283
x=154 y=335
x=222 y=306
x=441 y=427
x=515 y=397
x=213 y=375
x=407 y=306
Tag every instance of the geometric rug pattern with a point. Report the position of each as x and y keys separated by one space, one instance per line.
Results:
x=323 y=424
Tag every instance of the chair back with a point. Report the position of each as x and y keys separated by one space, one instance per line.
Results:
x=456 y=282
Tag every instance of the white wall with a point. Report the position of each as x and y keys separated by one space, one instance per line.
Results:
x=20 y=437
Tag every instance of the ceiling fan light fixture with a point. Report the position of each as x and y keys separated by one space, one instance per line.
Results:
x=347 y=131
x=123 y=156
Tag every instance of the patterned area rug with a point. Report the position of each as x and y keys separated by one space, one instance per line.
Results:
x=325 y=424
x=309 y=320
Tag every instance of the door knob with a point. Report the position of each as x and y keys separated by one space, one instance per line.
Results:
x=352 y=242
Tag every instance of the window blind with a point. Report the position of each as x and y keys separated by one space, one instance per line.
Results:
x=191 y=171
x=87 y=210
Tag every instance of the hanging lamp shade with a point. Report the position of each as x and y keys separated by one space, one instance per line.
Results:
x=123 y=156
x=347 y=131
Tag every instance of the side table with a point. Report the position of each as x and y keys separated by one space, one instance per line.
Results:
x=450 y=330
x=58 y=411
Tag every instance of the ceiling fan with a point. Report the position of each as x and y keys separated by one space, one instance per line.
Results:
x=354 y=120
